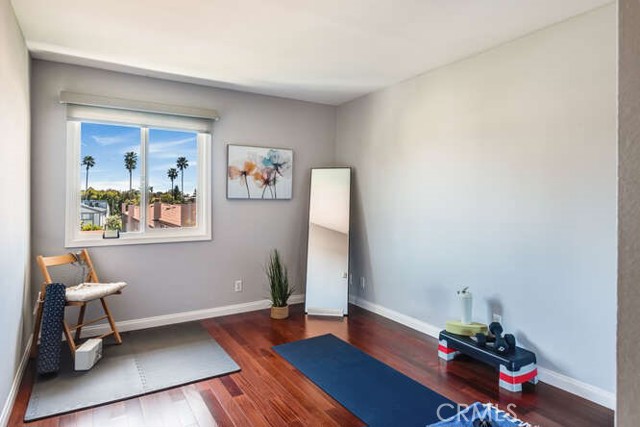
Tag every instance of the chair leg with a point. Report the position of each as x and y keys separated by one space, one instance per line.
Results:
x=70 y=341
x=36 y=331
x=112 y=322
x=80 y=320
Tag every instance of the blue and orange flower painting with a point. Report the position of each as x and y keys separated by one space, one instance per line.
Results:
x=259 y=173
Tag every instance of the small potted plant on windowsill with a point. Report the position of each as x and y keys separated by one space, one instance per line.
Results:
x=279 y=287
x=112 y=227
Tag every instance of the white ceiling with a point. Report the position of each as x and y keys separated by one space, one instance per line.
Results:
x=327 y=51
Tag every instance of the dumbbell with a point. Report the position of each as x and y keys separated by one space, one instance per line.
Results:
x=511 y=340
x=482 y=339
x=503 y=345
x=500 y=345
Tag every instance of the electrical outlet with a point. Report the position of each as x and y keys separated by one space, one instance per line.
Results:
x=497 y=317
x=238 y=286
x=363 y=283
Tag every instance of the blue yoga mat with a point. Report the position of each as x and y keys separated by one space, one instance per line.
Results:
x=374 y=392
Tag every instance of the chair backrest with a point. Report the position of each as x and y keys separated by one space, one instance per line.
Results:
x=70 y=258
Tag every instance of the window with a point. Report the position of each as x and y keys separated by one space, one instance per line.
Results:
x=147 y=174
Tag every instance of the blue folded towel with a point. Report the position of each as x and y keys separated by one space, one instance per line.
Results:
x=481 y=412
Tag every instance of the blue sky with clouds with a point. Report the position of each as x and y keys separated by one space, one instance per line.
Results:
x=109 y=143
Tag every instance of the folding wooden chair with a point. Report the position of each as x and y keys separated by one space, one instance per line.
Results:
x=74 y=299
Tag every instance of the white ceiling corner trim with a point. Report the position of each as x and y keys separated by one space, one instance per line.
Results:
x=328 y=51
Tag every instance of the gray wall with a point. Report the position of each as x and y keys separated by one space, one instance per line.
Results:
x=499 y=173
x=628 y=410
x=178 y=277
x=14 y=215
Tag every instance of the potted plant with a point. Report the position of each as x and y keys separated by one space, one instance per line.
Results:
x=279 y=287
x=112 y=227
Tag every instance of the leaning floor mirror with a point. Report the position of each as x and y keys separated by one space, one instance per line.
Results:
x=327 y=292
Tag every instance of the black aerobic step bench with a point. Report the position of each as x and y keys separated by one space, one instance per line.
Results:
x=516 y=368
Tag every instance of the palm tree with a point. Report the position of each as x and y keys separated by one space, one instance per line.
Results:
x=172 y=173
x=130 y=163
x=88 y=162
x=182 y=163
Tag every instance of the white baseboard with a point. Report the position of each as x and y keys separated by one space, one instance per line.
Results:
x=15 y=386
x=556 y=379
x=577 y=387
x=411 y=322
x=187 y=316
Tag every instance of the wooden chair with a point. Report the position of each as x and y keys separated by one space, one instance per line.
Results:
x=92 y=277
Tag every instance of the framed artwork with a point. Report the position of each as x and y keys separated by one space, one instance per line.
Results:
x=261 y=173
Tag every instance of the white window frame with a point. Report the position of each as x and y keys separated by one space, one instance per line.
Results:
x=74 y=237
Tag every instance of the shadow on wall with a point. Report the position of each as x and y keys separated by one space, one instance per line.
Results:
x=494 y=305
x=524 y=342
x=302 y=241
x=360 y=254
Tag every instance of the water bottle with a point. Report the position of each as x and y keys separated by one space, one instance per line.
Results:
x=466 y=306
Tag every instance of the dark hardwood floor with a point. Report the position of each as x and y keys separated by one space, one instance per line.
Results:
x=270 y=392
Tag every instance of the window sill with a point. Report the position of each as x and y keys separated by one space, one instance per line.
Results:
x=85 y=242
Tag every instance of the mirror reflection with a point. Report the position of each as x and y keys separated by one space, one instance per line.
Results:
x=328 y=243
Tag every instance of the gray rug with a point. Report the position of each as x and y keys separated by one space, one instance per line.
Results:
x=148 y=360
